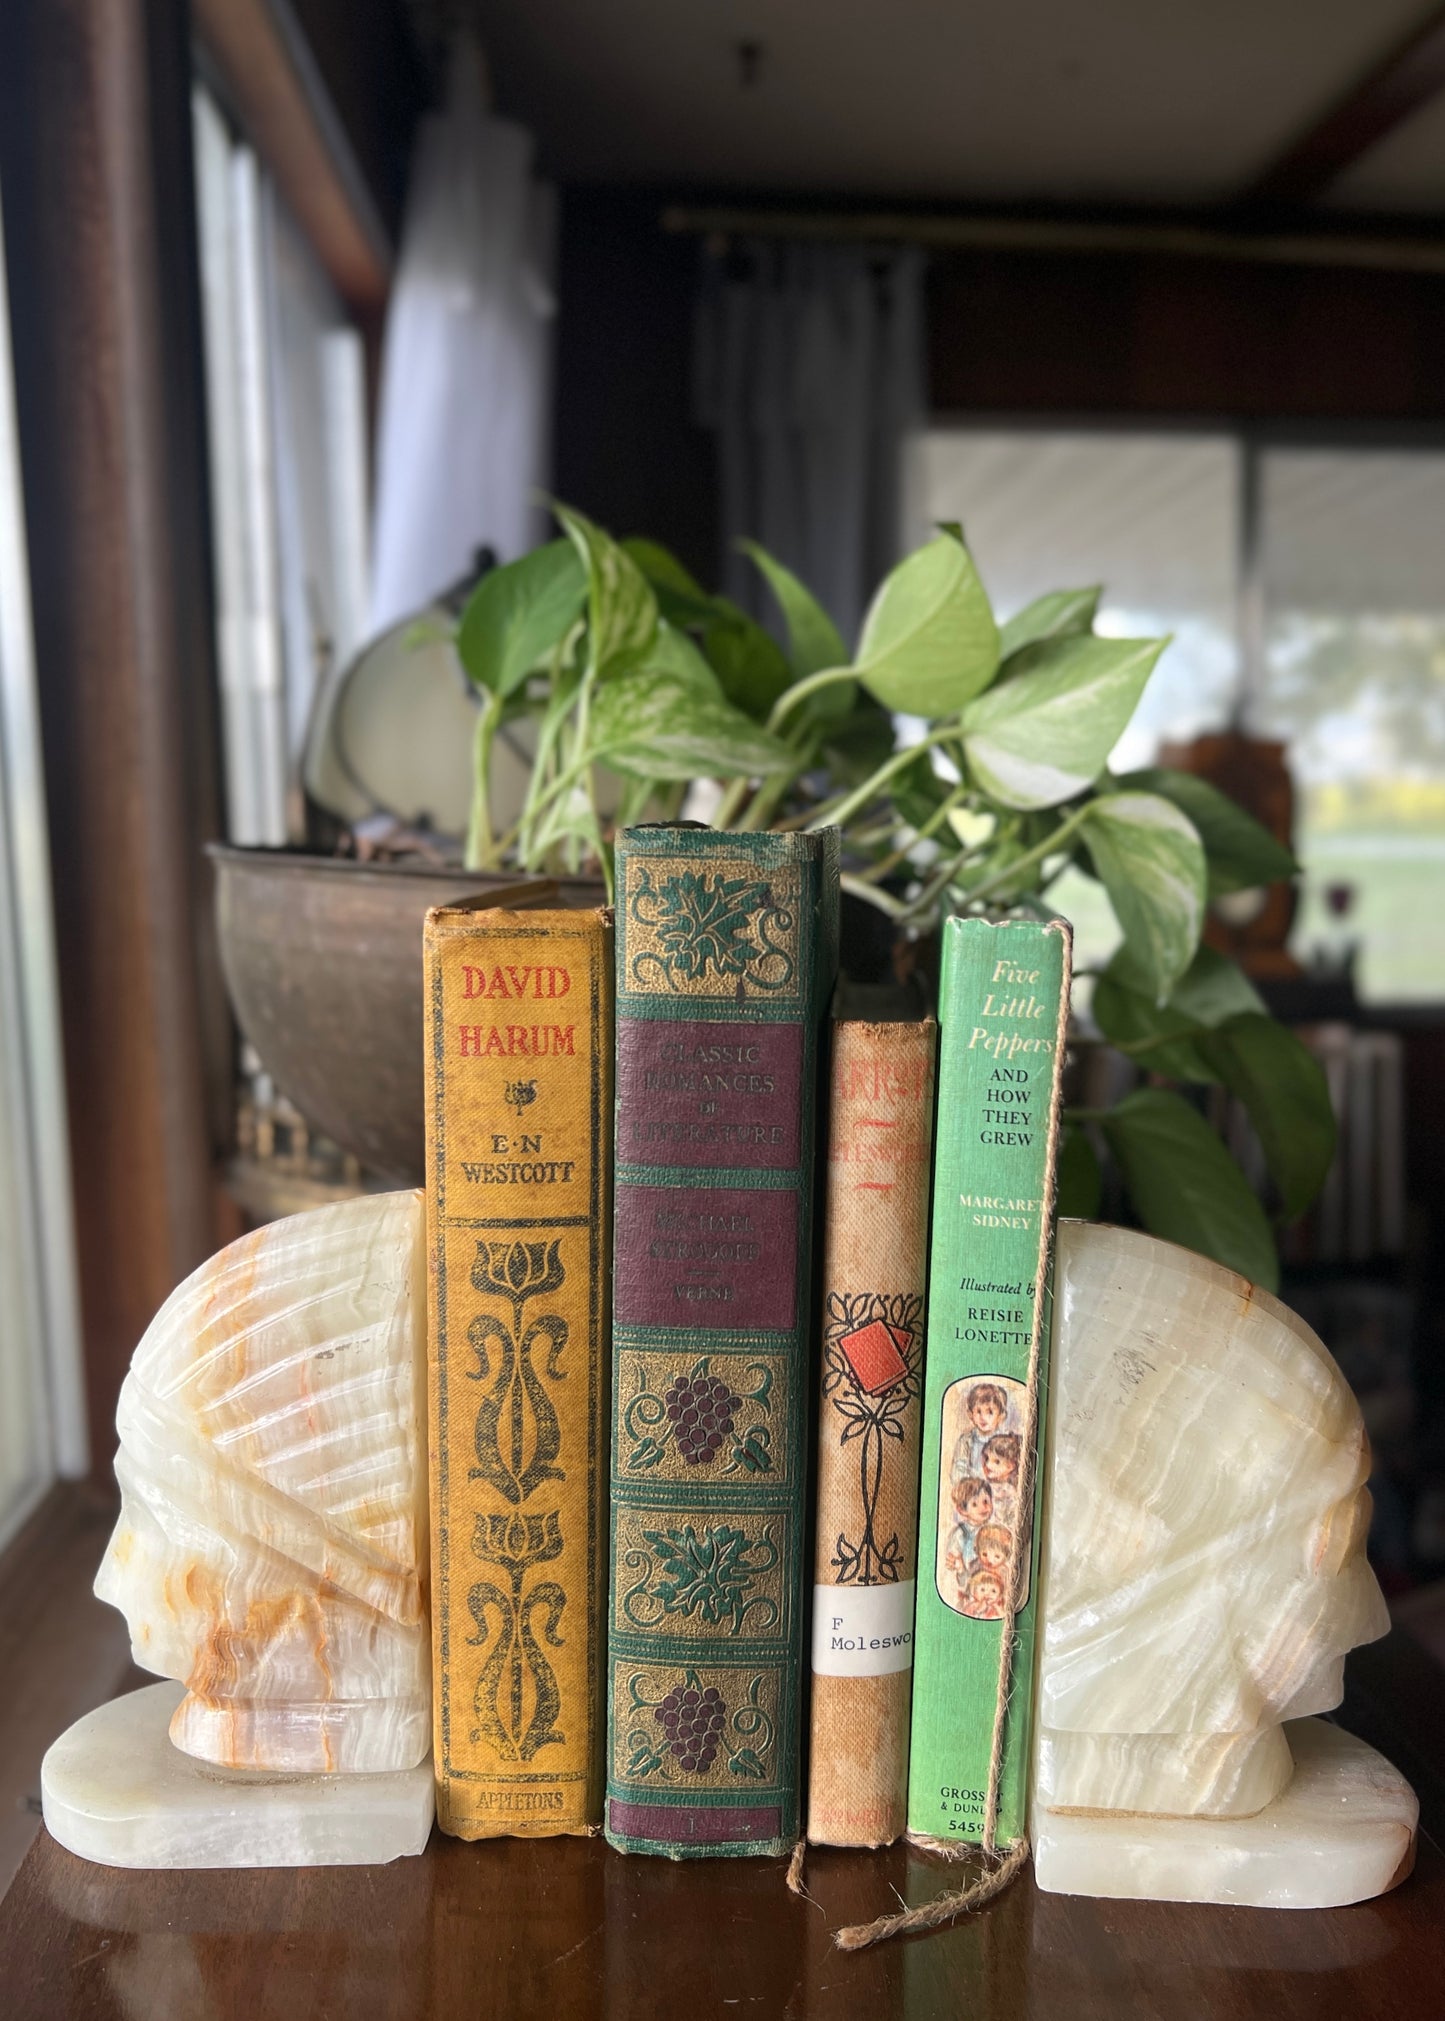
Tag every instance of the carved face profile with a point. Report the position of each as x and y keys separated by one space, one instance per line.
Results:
x=1207 y=1510
x=272 y=1535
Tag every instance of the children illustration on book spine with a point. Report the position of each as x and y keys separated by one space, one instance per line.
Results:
x=979 y=1515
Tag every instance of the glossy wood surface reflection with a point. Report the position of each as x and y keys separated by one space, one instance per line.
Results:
x=566 y=1930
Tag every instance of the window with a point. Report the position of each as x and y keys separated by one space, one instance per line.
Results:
x=1353 y=680
x=286 y=423
x=1340 y=556
x=1153 y=517
x=42 y=1423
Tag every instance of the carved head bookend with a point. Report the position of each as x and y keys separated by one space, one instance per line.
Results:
x=1204 y=1563
x=271 y=1547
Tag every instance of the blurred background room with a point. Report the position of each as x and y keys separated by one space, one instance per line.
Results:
x=306 y=309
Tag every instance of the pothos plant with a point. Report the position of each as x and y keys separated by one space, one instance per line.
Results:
x=637 y=682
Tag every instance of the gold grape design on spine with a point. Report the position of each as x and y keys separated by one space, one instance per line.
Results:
x=706 y=1418
x=681 y=1724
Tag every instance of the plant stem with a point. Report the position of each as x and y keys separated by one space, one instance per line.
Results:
x=556 y=789
x=554 y=716
x=732 y=802
x=842 y=810
x=919 y=905
x=1037 y=854
x=481 y=850
x=883 y=900
x=903 y=910
x=765 y=800
x=790 y=697
x=935 y=820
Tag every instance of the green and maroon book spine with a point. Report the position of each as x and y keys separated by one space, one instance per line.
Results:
x=1003 y=1014
x=726 y=953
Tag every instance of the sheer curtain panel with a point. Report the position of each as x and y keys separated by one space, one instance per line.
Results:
x=462 y=440
x=810 y=371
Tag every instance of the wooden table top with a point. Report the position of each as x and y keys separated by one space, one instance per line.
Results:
x=566 y=1930
x=569 y=1931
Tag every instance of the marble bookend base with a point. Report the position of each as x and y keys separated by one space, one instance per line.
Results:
x=1342 y=1830
x=115 y=1790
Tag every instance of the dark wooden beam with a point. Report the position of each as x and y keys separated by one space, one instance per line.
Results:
x=278 y=94
x=1406 y=79
x=1181 y=237
x=95 y=167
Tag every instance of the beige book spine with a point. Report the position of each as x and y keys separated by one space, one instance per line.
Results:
x=875 y=1244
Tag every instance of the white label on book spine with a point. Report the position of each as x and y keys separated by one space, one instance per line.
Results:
x=862 y=1631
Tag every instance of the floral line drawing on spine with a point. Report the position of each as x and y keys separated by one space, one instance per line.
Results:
x=702 y=922
x=704 y=1576
x=516 y=1545
x=870 y=1378
x=981 y=1459
x=696 y=1727
x=516 y=1410
x=697 y=1413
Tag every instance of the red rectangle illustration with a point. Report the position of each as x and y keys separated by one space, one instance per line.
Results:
x=875 y=1355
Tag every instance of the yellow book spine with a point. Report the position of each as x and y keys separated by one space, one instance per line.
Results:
x=519 y=1133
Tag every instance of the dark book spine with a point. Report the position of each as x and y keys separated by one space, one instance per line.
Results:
x=726 y=951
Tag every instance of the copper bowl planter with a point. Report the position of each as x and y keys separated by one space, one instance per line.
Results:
x=322 y=960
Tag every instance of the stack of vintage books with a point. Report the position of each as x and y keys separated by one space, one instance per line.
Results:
x=727 y=1290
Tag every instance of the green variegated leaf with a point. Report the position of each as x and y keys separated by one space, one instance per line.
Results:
x=1044 y=734
x=917 y=791
x=1240 y=853
x=1283 y=1087
x=1210 y=990
x=660 y=722
x=1080 y=1182
x=518 y=613
x=1159 y=1037
x=673 y=652
x=621 y=608
x=929 y=641
x=663 y=569
x=1185 y=1186
x=813 y=640
x=858 y=745
x=749 y=662
x=1152 y=866
x=1062 y=614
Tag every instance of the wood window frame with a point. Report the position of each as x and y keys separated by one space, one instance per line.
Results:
x=96 y=168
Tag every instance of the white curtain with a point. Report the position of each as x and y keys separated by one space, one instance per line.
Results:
x=462 y=440
x=810 y=369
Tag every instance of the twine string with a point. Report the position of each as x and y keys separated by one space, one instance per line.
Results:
x=996 y=1877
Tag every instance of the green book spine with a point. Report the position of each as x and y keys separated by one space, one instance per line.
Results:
x=726 y=950
x=1002 y=1017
